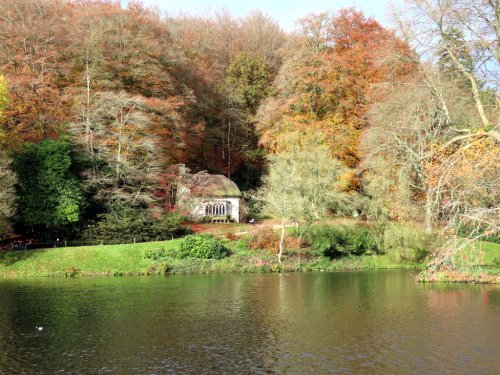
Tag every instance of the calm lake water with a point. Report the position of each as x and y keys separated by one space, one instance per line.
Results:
x=354 y=323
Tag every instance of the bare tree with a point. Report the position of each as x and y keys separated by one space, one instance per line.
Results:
x=317 y=30
x=301 y=184
x=263 y=37
x=468 y=33
x=7 y=194
x=7 y=176
x=126 y=160
x=406 y=128
x=190 y=188
x=278 y=191
x=88 y=55
x=426 y=173
x=439 y=152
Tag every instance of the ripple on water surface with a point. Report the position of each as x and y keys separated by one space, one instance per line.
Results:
x=353 y=323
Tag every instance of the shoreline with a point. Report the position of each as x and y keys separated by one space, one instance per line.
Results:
x=80 y=274
x=140 y=260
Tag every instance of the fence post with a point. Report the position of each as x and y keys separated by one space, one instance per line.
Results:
x=134 y=239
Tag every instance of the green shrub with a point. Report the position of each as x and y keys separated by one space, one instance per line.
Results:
x=481 y=233
x=342 y=240
x=203 y=246
x=406 y=244
x=168 y=226
x=238 y=246
x=71 y=272
x=130 y=227
x=50 y=199
x=155 y=254
x=163 y=268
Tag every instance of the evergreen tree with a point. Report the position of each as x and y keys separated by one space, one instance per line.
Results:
x=453 y=38
x=50 y=198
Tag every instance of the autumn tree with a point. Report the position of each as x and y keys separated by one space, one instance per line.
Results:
x=406 y=130
x=261 y=36
x=325 y=84
x=216 y=48
x=7 y=176
x=317 y=30
x=31 y=57
x=453 y=118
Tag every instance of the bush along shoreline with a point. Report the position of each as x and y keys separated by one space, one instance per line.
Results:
x=462 y=261
x=327 y=248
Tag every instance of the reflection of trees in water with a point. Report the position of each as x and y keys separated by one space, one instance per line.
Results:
x=457 y=329
x=311 y=323
x=7 y=327
x=335 y=320
x=67 y=312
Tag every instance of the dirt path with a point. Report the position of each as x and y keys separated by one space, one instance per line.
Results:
x=240 y=229
x=262 y=226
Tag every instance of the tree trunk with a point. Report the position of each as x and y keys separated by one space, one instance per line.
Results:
x=474 y=86
x=282 y=239
x=428 y=211
x=229 y=150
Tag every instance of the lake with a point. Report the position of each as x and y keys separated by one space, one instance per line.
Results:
x=379 y=322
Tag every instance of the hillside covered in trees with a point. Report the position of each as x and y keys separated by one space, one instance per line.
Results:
x=99 y=105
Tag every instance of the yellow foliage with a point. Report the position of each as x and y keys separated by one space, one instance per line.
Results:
x=4 y=100
x=4 y=96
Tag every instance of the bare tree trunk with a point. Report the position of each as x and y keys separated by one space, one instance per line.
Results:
x=229 y=149
x=119 y=149
x=282 y=239
x=88 y=136
x=428 y=210
x=474 y=88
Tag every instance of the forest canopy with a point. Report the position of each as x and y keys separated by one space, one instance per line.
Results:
x=103 y=102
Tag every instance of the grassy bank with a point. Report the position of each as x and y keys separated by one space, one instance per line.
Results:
x=85 y=260
x=159 y=258
x=487 y=272
x=131 y=259
x=491 y=253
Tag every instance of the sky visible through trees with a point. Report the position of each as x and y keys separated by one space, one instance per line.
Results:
x=286 y=13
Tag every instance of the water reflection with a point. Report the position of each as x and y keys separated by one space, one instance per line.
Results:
x=366 y=322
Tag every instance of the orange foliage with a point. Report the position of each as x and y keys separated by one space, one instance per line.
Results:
x=49 y=63
x=329 y=88
x=471 y=170
x=264 y=239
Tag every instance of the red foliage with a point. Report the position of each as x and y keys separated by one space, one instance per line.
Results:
x=264 y=239
x=231 y=236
